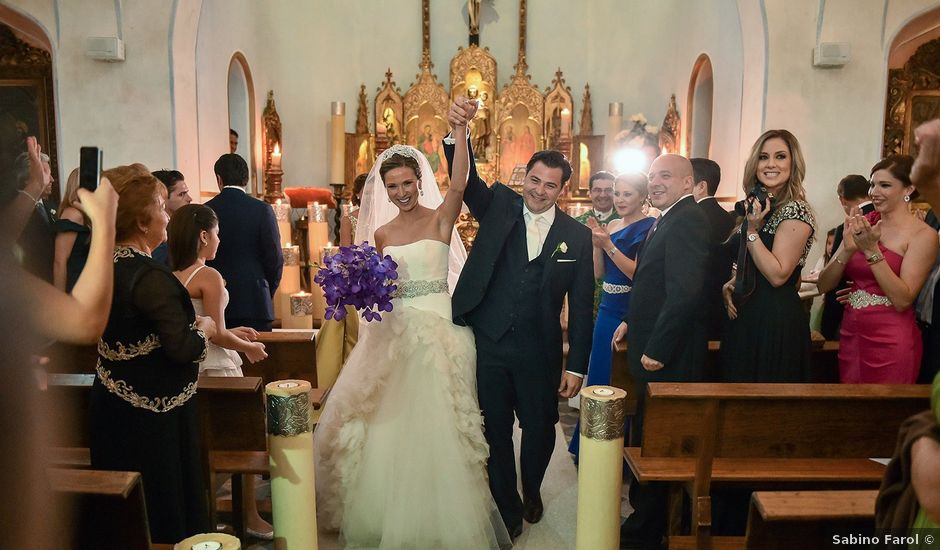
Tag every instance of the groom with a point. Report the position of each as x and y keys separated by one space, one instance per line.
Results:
x=527 y=256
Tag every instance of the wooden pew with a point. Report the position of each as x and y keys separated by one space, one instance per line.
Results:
x=103 y=509
x=808 y=519
x=825 y=361
x=232 y=410
x=816 y=436
x=291 y=355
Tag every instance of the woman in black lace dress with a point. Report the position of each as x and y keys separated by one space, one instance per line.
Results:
x=143 y=415
x=768 y=338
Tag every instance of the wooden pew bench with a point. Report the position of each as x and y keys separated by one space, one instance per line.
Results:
x=800 y=436
x=232 y=411
x=104 y=509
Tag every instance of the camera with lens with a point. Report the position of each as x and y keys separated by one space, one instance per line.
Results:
x=759 y=193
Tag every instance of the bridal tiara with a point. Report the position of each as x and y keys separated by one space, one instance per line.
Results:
x=403 y=150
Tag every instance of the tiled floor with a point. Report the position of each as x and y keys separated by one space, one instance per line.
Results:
x=556 y=531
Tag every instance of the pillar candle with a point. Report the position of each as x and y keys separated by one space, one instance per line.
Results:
x=290 y=281
x=600 y=473
x=317 y=230
x=282 y=214
x=614 y=123
x=565 y=122
x=290 y=447
x=299 y=314
x=209 y=541
x=328 y=250
x=338 y=142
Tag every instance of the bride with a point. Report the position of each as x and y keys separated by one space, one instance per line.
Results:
x=399 y=449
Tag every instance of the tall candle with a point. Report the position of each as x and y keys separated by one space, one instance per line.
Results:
x=614 y=123
x=282 y=214
x=338 y=142
x=290 y=448
x=600 y=470
x=317 y=230
x=276 y=157
x=328 y=250
x=290 y=281
x=565 y=122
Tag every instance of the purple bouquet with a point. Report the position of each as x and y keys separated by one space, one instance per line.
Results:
x=357 y=276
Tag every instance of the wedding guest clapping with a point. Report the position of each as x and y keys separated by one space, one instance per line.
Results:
x=615 y=250
x=143 y=417
x=768 y=338
x=887 y=255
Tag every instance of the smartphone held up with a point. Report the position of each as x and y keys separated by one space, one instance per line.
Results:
x=89 y=168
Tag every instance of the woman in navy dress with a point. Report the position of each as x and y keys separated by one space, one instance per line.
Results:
x=615 y=250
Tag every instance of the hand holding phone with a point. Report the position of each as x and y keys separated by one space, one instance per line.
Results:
x=89 y=168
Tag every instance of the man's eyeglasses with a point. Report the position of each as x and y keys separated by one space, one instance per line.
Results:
x=597 y=191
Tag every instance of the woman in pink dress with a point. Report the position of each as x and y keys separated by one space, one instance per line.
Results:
x=887 y=255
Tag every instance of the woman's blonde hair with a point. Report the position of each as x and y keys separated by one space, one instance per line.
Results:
x=637 y=180
x=793 y=189
x=70 y=195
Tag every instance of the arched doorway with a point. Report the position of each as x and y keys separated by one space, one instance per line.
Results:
x=27 y=101
x=241 y=112
x=699 y=108
x=913 y=95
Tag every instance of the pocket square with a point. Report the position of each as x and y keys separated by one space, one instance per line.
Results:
x=562 y=260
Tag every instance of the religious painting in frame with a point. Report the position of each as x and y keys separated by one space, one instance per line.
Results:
x=588 y=158
x=426 y=104
x=473 y=75
x=26 y=101
x=389 y=113
x=520 y=119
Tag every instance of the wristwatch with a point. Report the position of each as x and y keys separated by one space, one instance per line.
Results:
x=751 y=237
x=612 y=252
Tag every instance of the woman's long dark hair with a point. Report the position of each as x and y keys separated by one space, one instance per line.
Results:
x=187 y=223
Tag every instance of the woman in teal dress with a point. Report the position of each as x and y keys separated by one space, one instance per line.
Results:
x=615 y=250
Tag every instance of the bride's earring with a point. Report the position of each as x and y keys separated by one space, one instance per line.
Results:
x=421 y=191
x=907 y=198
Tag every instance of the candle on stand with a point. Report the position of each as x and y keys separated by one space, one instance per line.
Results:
x=328 y=250
x=338 y=142
x=290 y=281
x=318 y=233
x=276 y=157
x=300 y=313
x=282 y=214
x=614 y=123
x=565 y=122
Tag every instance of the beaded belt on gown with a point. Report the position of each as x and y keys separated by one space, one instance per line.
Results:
x=414 y=289
x=611 y=288
x=859 y=299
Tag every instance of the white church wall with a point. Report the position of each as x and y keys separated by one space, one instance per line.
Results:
x=838 y=113
x=121 y=107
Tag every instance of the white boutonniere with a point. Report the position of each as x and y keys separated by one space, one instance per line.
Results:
x=562 y=247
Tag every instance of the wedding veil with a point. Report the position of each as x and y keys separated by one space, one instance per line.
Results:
x=376 y=210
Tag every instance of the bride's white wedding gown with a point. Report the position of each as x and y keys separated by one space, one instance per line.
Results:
x=399 y=449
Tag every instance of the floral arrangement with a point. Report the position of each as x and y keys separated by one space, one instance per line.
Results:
x=357 y=276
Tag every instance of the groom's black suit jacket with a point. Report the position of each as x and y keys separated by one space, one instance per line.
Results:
x=667 y=315
x=498 y=209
